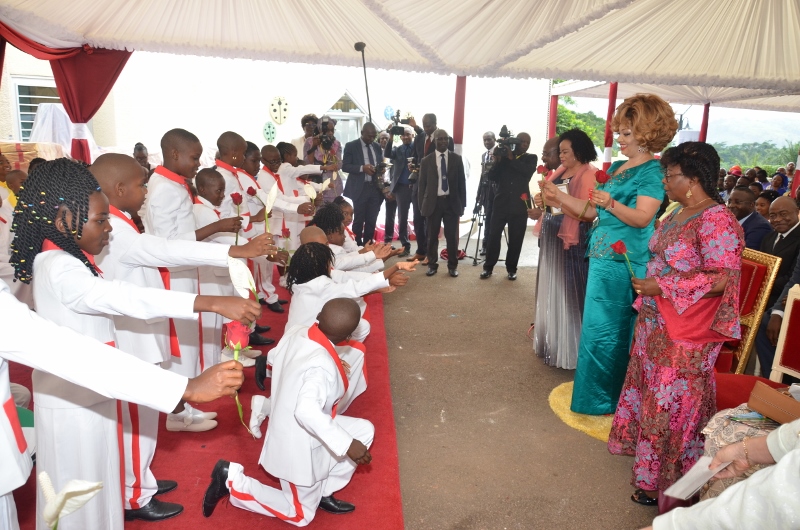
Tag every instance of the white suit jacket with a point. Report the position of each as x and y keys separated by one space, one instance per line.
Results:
x=31 y=340
x=308 y=298
x=214 y=279
x=303 y=438
x=135 y=258
x=353 y=261
x=66 y=293
x=283 y=203
x=169 y=210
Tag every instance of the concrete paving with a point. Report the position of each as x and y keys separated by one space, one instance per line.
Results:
x=479 y=446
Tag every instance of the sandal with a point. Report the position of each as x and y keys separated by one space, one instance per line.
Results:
x=641 y=497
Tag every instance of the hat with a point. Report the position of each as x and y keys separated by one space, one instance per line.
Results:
x=736 y=171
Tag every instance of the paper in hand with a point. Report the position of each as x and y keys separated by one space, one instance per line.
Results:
x=692 y=481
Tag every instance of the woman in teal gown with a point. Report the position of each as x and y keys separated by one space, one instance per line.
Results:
x=623 y=209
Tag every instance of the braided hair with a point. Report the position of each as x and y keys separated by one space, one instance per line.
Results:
x=284 y=148
x=50 y=186
x=699 y=160
x=310 y=261
x=329 y=218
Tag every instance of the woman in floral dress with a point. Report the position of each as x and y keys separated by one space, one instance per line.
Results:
x=688 y=306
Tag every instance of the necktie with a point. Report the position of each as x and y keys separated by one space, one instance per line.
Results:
x=777 y=241
x=371 y=161
x=427 y=145
x=444 y=174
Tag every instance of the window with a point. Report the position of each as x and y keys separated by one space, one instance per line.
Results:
x=30 y=93
x=350 y=116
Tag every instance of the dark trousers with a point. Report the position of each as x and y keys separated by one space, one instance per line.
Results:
x=365 y=213
x=488 y=207
x=517 y=223
x=400 y=204
x=419 y=222
x=443 y=212
x=764 y=348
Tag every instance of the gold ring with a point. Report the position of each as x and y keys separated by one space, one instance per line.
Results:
x=638 y=291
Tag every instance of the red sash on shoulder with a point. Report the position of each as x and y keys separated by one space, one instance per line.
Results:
x=317 y=336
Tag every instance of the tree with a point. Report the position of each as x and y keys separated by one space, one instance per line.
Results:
x=588 y=122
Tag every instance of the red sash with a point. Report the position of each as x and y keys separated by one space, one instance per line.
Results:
x=49 y=245
x=360 y=347
x=3 y=221
x=198 y=201
x=174 y=177
x=277 y=178
x=317 y=336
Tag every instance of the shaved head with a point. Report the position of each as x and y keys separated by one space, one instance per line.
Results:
x=205 y=177
x=111 y=169
x=313 y=234
x=230 y=142
x=177 y=139
x=339 y=318
x=268 y=150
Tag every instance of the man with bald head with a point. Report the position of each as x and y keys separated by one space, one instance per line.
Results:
x=309 y=447
x=784 y=242
x=511 y=174
x=442 y=197
x=361 y=156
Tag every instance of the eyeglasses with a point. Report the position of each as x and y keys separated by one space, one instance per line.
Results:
x=785 y=215
x=667 y=176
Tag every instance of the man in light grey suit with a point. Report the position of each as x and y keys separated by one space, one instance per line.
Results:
x=359 y=161
x=442 y=196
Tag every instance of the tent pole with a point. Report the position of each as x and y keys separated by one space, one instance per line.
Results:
x=553 y=114
x=609 y=137
x=458 y=112
x=704 y=126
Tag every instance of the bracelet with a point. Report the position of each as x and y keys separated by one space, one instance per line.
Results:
x=613 y=203
x=746 y=455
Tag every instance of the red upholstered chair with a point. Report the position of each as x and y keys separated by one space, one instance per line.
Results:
x=758 y=276
x=787 y=352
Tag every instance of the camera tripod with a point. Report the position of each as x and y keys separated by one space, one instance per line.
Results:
x=479 y=216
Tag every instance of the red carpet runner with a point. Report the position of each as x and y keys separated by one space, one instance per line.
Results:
x=190 y=457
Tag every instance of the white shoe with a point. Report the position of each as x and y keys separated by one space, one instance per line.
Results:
x=260 y=407
x=187 y=422
x=247 y=362
x=197 y=413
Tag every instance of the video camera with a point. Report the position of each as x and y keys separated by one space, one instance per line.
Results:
x=398 y=129
x=507 y=142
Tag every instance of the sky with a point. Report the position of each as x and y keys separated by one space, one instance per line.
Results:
x=732 y=126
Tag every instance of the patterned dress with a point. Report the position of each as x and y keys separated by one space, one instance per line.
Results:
x=670 y=391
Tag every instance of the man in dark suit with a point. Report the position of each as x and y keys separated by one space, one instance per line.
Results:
x=399 y=198
x=423 y=146
x=511 y=173
x=359 y=161
x=742 y=204
x=784 y=242
x=442 y=196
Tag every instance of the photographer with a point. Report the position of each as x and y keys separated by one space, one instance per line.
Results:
x=398 y=196
x=486 y=188
x=511 y=172
x=322 y=148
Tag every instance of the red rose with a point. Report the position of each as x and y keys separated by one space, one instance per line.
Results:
x=251 y=191
x=237 y=335
x=541 y=169
x=285 y=233
x=601 y=176
x=236 y=198
x=619 y=247
x=524 y=197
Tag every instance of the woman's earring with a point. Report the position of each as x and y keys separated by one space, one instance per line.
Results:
x=642 y=149
x=689 y=194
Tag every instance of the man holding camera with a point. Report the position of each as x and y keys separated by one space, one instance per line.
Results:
x=362 y=162
x=511 y=172
x=486 y=188
x=399 y=191
x=442 y=196
x=324 y=149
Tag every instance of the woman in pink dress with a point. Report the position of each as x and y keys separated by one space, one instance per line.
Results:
x=688 y=306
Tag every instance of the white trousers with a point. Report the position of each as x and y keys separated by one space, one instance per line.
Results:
x=139 y=435
x=262 y=272
x=297 y=505
x=362 y=331
x=8 y=512
x=81 y=443
x=188 y=364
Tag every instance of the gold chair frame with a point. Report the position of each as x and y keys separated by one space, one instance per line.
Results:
x=778 y=368
x=753 y=319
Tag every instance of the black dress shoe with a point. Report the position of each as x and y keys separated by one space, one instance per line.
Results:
x=165 y=486
x=217 y=489
x=258 y=340
x=453 y=272
x=512 y=276
x=261 y=371
x=155 y=510
x=275 y=307
x=283 y=302
x=261 y=329
x=640 y=497
x=485 y=274
x=432 y=271
x=483 y=252
x=405 y=253
x=333 y=505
